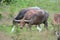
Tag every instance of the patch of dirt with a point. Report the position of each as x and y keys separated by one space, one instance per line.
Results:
x=4 y=36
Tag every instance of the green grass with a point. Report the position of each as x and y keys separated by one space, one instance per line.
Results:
x=28 y=35
x=5 y=29
x=51 y=6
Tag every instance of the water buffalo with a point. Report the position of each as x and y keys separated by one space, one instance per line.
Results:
x=34 y=17
x=56 y=21
x=21 y=15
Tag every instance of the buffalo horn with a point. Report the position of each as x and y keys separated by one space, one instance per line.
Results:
x=17 y=20
x=27 y=20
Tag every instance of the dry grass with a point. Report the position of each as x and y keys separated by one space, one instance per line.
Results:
x=35 y=35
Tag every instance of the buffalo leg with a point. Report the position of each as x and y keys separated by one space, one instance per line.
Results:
x=38 y=28
x=46 y=25
x=13 y=28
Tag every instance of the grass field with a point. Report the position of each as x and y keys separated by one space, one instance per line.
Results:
x=8 y=12
x=19 y=34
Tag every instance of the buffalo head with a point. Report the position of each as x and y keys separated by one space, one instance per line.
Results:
x=22 y=22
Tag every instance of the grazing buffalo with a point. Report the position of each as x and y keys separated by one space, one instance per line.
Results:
x=56 y=21
x=34 y=16
x=21 y=15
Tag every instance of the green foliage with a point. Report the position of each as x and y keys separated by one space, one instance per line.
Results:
x=45 y=4
x=7 y=1
x=16 y=5
x=5 y=28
